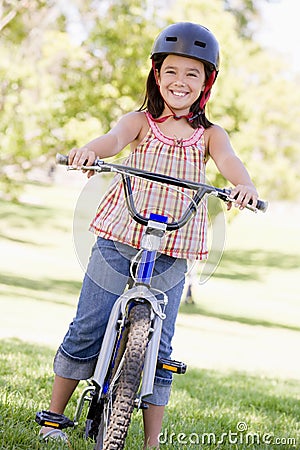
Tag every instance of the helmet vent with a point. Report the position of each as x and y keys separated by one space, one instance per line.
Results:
x=200 y=44
x=171 y=39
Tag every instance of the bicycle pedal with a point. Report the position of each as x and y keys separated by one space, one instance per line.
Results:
x=172 y=365
x=50 y=419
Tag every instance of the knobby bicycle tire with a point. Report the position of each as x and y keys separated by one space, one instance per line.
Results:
x=128 y=384
x=100 y=409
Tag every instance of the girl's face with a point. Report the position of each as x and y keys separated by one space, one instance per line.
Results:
x=181 y=81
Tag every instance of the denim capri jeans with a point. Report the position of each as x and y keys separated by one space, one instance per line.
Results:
x=105 y=280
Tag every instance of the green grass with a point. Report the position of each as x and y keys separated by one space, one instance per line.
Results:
x=240 y=339
x=203 y=402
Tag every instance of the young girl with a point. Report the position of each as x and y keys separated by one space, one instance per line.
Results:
x=170 y=134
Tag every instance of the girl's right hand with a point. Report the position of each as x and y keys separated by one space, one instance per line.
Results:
x=79 y=157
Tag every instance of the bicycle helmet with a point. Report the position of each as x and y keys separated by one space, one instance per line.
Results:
x=190 y=40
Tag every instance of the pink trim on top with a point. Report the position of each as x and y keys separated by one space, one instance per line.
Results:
x=195 y=137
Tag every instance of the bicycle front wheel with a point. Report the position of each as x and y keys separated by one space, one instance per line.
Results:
x=129 y=379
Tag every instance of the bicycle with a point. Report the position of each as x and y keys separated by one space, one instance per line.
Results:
x=128 y=358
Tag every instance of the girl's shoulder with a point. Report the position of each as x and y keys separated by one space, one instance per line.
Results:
x=140 y=123
x=217 y=141
x=215 y=133
x=135 y=118
x=215 y=130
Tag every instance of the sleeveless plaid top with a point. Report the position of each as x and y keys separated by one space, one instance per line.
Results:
x=183 y=158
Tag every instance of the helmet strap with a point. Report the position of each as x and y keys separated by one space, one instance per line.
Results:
x=207 y=90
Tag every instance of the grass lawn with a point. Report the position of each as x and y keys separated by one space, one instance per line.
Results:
x=215 y=409
x=240 y=338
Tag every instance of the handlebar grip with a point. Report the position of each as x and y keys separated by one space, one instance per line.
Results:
x=224 y=195
x=262 y=206
x=63 y=160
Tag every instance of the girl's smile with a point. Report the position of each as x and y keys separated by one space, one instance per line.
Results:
x=181 y=81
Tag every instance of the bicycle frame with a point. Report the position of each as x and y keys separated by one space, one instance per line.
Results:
x=141 y=291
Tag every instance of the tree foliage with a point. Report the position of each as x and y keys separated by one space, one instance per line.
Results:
x=68 y=72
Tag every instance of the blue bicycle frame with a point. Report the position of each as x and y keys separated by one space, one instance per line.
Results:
x=146 y=265
x=141 y=291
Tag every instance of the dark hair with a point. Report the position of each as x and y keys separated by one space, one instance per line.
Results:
x=155 y=104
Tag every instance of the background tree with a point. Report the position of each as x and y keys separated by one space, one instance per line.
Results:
x=69 y=71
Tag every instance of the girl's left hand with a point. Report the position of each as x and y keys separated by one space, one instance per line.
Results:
x=241 y=195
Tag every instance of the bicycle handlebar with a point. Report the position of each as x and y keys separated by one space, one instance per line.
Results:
x=200 y=188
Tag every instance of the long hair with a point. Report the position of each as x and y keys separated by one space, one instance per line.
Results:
x=155 y=104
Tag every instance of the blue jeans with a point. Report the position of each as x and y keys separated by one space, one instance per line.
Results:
x=105 y=280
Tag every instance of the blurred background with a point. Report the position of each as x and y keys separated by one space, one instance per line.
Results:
x=69 y=69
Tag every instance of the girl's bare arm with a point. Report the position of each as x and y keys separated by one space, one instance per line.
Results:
x=123 y=133
x=230 y=166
